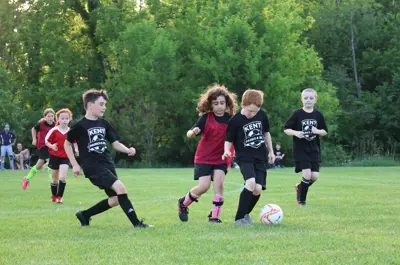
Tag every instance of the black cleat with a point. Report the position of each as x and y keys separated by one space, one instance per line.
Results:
x=82 y=218
x=182 y=210
x=299 y=203
x=143 y=225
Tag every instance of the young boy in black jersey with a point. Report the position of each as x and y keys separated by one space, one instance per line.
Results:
x=306 y=125
x=91 y=133
x=248 y=130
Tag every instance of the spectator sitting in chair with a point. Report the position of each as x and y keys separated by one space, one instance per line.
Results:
x=21 y=157
x=278 y=156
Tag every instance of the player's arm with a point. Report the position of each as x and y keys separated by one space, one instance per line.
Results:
x=227 y=150
x=198 y=127
x=34 y=132
x=268 y=140
x=48 y=139
x=76 y=149
x=120 y=147
x=320 y=132
x=68 y=150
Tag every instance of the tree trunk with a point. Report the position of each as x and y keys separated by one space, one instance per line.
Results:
x=358 y=86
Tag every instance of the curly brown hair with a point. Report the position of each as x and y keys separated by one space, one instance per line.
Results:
x=212 y=93
x=252 y=96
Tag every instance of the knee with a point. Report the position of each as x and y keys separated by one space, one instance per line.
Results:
x=314 y=176
x=251 y=184
x=257 y=190
x=204 y=187
x=119 y=188
x=113 y=201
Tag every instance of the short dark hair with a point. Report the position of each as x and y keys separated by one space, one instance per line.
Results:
x=92 y=95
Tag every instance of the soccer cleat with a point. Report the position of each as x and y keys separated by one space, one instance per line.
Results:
x=59 y=200
x=25 y=183
x=182 y=210
x=299 y=203
x=53 y=198
x=248 y=219
x=241 y=222
x=143 y=225
x=297 y=191
x=82 y=219
x=213 y=220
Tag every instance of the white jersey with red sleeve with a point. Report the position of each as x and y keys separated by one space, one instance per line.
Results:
x=57 y=136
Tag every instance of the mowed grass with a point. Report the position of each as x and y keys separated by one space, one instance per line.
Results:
x=352 y=217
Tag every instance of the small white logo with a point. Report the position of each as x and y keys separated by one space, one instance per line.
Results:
x=130 y=210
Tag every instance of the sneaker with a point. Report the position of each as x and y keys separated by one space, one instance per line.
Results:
x=248 y=219
x=241 y=222
x=25 y=183
x=297 y=191
x=143 y=225
x=54 y=198
x=183 y=211
x=59 y=200
x=299 y=203
x=82 y=218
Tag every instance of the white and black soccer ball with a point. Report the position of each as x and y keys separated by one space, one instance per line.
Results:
x=271 y=214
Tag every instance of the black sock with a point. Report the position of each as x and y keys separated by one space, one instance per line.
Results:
x=304 y=184
x=253 y=202
x=97 y=208
x=61 y=188
x=311 y=182
x=127 y=207
x=244 y=201
x=54 y=188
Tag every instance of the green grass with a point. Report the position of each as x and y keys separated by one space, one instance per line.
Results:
x=352 y=217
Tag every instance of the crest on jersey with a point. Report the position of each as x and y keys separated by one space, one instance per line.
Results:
x=97 y=140
x=254 y=136
x=306 y=126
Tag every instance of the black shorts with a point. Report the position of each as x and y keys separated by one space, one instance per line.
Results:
x=55 y=162
x=257 y=170
x=44 y=153
x=104 y=178
x=300 y=165
x=201 y=170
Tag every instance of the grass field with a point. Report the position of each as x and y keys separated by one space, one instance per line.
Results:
x=352 y=217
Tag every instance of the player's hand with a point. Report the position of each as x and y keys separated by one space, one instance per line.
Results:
x=196 y=130
x=314 y=130
x=76 y=170
x=226 y=154
x=54 y=147
x=131 y=151
x=299 y=134
x=271 y=157
x=34 y=142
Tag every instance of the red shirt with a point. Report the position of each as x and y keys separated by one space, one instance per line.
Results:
x=55 y=136
x=43 y=130
x=211 y=146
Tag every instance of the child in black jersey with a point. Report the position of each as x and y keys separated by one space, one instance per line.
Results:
x=306 y=125
x=91 y=134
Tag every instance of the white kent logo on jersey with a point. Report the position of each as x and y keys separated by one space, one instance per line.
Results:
x=253 y=134
x=97 y=140
x=306 y=126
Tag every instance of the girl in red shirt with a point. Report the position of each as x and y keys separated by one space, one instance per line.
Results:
x=59 y=162
x=215 y=107
x=41 y=129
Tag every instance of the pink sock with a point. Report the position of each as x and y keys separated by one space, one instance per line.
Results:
x=189 y=198
x=218 y=200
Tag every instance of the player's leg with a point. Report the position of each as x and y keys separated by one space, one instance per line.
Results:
x=62 y=182
x=218 y=199
x=248 y=171
x=202 y=173
x=43 y=155
x=304 y=183
x=261 y=184
x=54 y=184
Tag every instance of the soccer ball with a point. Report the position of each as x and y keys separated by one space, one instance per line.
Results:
x=271 y=214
